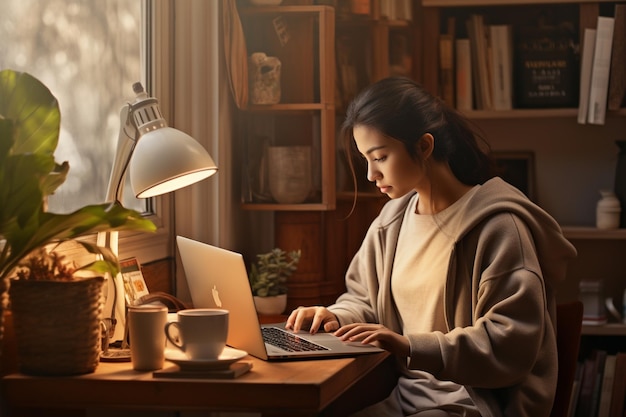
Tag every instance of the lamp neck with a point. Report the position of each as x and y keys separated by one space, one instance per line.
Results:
x=147 y=115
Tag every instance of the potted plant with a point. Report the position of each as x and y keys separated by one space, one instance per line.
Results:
x=29 y=133
x=268 y=279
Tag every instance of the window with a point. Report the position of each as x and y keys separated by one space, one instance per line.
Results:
x=88 y=53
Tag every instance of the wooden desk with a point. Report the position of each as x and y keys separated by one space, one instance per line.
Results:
x=303 y=388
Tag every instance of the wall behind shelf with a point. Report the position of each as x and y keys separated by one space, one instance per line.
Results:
x=572 y=161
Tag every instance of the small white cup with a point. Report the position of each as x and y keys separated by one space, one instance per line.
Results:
x=147 y=341
x=201 y=334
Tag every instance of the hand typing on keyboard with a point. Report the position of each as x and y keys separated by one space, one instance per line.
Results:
x=315 y=317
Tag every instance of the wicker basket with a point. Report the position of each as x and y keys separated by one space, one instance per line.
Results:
x=57 y=325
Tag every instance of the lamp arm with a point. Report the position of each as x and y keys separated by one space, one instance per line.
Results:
x=126 y=140
x=115 y=304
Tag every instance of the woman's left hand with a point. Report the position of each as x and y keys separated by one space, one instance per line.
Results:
x=377 y=335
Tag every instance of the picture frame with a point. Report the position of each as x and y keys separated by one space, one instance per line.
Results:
x=518 y=169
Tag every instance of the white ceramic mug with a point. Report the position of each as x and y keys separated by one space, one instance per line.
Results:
x=147 y=341
x=201 y=332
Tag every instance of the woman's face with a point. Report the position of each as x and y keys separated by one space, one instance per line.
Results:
x=389 y=165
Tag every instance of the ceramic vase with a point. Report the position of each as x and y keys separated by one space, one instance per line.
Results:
x=264 y=78
x=289 y=173
x=608 y=211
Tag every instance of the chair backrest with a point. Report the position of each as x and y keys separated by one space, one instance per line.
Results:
x=569 y=318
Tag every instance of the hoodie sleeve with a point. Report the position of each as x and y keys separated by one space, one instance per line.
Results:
x=357 y=304
x=510 y=324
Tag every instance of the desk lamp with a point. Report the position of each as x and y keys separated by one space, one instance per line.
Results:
x=160 y=159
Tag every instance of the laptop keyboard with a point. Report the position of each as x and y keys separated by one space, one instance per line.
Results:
x=289 y=341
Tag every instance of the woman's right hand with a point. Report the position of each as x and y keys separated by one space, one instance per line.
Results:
x=315 y=317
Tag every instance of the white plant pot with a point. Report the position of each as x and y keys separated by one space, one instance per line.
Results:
x=271 y=305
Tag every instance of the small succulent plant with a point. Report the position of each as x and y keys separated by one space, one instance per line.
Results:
x=268 y=276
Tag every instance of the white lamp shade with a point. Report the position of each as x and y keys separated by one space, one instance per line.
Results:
x=167 y=159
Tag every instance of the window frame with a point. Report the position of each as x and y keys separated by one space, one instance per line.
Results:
x=150 y=247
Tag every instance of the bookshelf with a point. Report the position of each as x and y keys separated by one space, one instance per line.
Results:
x=301 y=37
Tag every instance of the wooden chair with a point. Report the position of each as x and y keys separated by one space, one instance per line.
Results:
x=569 y=317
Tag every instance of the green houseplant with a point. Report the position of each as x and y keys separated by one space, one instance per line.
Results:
x=268 y=279
x=29 y=132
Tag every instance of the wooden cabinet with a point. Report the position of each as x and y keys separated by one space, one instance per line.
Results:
x=301 y=38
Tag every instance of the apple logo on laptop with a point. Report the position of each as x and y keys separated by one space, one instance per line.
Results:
x=216 y=296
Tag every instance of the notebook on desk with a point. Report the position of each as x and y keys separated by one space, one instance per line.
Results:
x=217 y=278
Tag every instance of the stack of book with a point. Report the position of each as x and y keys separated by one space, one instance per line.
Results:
x=600 y=386
x=603 y=73
x=477 y=71
x=492 y=68
x=496 y=69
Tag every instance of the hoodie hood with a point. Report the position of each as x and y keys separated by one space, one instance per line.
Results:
x=496 y=196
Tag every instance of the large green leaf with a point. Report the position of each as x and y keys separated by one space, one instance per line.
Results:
x=34 y=111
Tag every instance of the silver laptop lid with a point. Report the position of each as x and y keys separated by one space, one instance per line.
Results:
x=217 y=278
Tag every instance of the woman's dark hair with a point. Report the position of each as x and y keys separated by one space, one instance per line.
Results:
x=401 y=109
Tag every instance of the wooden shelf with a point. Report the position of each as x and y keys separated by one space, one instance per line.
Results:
x=471 y=3
x=589 y=232
x=289 y=107
x=611 y=329
x=532 y=114
x=287 y=207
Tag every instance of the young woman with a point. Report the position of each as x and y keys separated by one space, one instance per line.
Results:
x=455 y=275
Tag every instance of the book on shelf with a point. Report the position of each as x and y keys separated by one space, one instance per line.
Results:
x=573 y=401
x=480 y=66
x=396 y=9
x=606 y=389
x=617 y=80
x=593 y=367
x=546 y=68
x=446 y=68
x=463 y=69
x=589 y=44
x=618 y=396
x=501 y=60
x=600 y=359
x=598 y=90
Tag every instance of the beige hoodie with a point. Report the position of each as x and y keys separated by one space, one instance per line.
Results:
x=499 y=304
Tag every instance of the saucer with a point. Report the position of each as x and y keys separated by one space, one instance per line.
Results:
x=228 y=356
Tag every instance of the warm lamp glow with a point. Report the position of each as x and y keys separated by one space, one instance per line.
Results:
x=167 y=159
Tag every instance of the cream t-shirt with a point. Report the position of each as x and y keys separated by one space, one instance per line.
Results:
x=421 y=265
x=418 y=283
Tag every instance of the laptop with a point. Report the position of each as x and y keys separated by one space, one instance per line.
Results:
x=218 y=278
